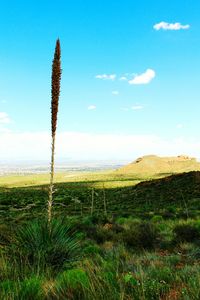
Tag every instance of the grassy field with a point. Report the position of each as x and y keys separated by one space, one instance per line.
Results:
x=144 y=245
x=110 y=179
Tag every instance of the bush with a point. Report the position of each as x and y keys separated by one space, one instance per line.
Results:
x=117 y=228
x=157 y=219
x=168 y=215
x=121 y=220
x=143 y=235
x=92 y=250
x=102 y=235
x=97 y=218
x=186 y=233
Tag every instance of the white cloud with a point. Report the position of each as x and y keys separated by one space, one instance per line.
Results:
x=91 y=107
x=170 y=26
x=106 y=76
x=4 y=118
x=115 y=93
x=143 y=78
x=137 y=107
x=123 y=78
x=4 y=130
x=80 y=146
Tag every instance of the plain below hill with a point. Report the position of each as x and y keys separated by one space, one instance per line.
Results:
x=154 y=165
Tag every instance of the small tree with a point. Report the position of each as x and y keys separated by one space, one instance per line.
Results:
x=55 y=93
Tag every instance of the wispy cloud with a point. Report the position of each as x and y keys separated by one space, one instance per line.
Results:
x=134 y=107
x=91 y=107
x=80 y=145
x=127 y=76
x=3 y=101
x=137 y=107
x=106 y=76
x=170 y=26
x=123 y=78
x=4 y=118
x=132 y=78
x=143 y=78
x=115 y=93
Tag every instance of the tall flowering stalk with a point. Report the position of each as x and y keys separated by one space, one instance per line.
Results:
x=55 y=93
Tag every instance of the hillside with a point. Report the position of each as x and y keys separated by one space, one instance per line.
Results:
x=181 y=191
x=152 y=164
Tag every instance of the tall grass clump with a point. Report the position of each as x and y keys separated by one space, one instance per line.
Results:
x=55 y=92
x=72 y=284
x=41 y=249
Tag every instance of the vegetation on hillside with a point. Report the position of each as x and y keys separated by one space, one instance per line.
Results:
x=173 y=196
x=147 y=247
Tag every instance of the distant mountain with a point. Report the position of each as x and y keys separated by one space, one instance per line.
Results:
x=152 y=164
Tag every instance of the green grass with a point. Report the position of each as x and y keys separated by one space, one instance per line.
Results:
x=147 y=247
x=109 y=178
x=170 y=197
x=106 y=267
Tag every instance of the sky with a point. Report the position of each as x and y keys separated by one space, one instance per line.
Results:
x=130 y=78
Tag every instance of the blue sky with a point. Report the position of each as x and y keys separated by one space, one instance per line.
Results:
x=130 y=83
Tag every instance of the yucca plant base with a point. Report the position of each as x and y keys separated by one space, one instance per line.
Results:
x=42 y=248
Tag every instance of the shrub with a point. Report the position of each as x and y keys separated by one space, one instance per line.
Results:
x=87 y=220
x=171 y=209
x=97 y=218
x=92 y=250
x=121 y=220
x=186 y=233
x=143 y=235
x=168 y=215
x=102 y=235
x=117 y=228
x=195 y=253
x=157 y=219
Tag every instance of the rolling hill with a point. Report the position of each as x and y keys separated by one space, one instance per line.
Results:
x=154 y=165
